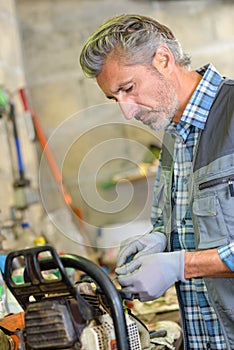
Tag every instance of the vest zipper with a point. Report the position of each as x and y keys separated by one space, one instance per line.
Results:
x=222 y=180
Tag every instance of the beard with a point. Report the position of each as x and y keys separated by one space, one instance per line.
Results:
x=166 y=102
x=157 y=119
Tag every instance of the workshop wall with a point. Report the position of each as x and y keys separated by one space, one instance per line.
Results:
x=53 y=33
x=11 y=79
x=73 y=111
x=11 y=73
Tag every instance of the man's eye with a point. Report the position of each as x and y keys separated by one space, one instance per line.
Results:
x=129 y=89
x=112 y=98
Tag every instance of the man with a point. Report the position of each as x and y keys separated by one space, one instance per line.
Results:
x=140 y=64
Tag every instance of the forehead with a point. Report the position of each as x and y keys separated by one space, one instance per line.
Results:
x=114 y=74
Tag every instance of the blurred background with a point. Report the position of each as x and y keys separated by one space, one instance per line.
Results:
x=92 y=185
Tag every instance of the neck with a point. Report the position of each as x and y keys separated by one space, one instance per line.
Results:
x=187 y=82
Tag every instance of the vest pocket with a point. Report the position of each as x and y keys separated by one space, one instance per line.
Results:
x=213 y=218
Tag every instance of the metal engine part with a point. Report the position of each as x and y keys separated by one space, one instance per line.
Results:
x=62 y=315
x=102 y=336
x=50 y=325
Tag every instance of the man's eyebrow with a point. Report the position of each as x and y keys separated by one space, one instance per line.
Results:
x=120 y=86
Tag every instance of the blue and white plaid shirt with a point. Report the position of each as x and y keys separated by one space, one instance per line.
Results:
x=201 y=326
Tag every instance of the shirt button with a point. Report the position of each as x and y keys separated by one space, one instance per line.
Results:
x=183 y=222
x=208 y=346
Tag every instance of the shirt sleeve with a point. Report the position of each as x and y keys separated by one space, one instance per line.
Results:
x=226 y=254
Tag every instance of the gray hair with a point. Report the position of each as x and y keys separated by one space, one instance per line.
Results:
x=134 y=39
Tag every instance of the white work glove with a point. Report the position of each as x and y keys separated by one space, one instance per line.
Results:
x=149 y=276
x=148 y=243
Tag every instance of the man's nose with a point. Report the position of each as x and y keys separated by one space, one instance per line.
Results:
x=127 y=109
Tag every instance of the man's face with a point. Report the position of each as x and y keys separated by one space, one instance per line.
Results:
x=141 y=91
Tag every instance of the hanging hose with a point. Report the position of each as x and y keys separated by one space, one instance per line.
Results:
x=55 y=170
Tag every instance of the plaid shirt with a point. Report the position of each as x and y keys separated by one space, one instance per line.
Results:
x=201 y=326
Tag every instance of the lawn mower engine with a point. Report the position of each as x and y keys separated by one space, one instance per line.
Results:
x=61 y=314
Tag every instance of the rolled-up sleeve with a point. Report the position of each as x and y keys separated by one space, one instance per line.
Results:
x=226 y=254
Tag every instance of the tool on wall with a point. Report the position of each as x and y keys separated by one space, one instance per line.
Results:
x=24 y=195
x=45 y=147
x=3 y=113
x=21 y=182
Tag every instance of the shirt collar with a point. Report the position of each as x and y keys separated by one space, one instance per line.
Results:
x=198 y=107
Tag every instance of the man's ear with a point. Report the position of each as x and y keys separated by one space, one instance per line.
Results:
x=163 y=59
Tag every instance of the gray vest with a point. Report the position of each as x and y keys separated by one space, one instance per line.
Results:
x=212 y=205
x=212 y=198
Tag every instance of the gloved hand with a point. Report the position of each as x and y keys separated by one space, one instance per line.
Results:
x=148 y=243
x=149 y=276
